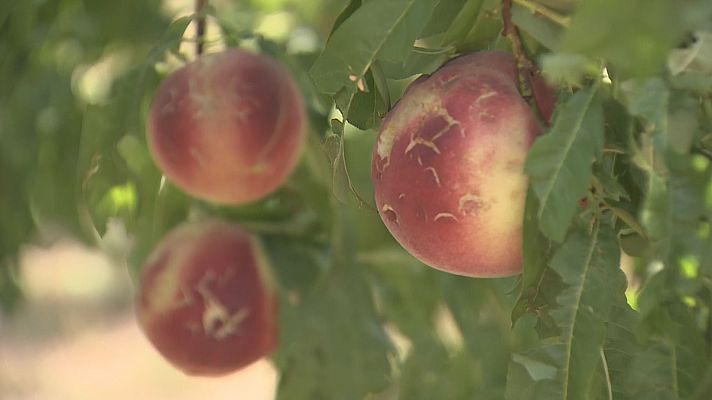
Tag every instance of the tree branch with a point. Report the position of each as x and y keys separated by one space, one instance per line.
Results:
x=526 y=69
x=200 y=25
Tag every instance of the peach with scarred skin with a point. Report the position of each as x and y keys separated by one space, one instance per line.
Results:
x=228 y=127
x=206 y=301
x=447 y=167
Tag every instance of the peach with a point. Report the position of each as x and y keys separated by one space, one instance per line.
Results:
x=228 y=127
x=447 y=167
x=206 y=300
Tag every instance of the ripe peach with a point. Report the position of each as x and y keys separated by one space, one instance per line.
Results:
x=448 y=167
x=228 y=127
x=206 y=301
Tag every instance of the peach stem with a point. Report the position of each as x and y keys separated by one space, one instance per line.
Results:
x=200 y=28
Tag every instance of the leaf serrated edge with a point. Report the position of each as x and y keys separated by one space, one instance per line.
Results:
x=572 y=138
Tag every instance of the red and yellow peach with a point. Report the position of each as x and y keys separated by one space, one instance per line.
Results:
x=447 y=167
x=206 y=300
x=228 y=127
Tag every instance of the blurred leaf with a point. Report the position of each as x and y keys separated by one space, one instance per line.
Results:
x=6 y=9
x=633 y=243
x=297 y=265
x=429 y=372
x=628 y=219
x=332 y=346
x=170 y=41
x=648 y=99
x=656 y=364
x=674 y=361
x=344 y=15
x=480 y=310
x=562 y=5
x=559 y=163
x=542 y=29
x=683 y=124
x=378 y=28
x=649 y=35
x=537 y=370
x=692 y=81
x=675 y=206
x=568 y=68
x=695 y=58
x=10 y=291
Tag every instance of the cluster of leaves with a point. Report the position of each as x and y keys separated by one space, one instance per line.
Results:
x=45 y=49
x=624 y=165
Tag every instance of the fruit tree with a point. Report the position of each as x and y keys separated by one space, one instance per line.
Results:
x=401 y=199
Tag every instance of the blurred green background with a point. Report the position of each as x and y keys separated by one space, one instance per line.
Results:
x=66 y=321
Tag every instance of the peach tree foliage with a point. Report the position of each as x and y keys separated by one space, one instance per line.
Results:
x=623 y=169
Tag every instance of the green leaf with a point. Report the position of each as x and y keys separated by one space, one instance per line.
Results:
x=486 y=30
x=559 y=163
x=695 y=58
x=683 y=124
x=562 y=5
x=480 y=309
x=343 y=188
x=621 y=347
x=536 y=248
x=529 y=378
x=462 y=24
x=667 y=369
x=332 y=344
x=363 y=109
x=402 y=37
x=419 y=61
x=431 y=372
x=647 y=99
x=653 y=373
x=6 y=10
x=568 y=68
x=693 y=81
x=170 y=41
x=675 y=356
x=589 y=266
x=10 y=290
x=542 y=29
x=442 y=17
x=675 y=205
x=537 y=370
x=384 y=28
